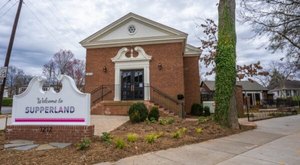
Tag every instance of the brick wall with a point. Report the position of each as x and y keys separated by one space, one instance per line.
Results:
x=170 y=79
x=191 y=81
x=49 y=133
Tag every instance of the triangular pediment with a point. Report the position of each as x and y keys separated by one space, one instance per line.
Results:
x=132 y=29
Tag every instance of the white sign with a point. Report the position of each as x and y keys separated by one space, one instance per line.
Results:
x=37 y=107
x=3 y=72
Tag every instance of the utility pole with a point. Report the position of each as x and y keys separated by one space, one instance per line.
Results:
x=9 y=49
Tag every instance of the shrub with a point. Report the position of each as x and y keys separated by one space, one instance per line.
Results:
x=165 y=121
x=197 y=109
x=152 y=137
x=84 y=144
x=179 y=133
x=137 y=112
x=7 y=102
x=132 y=137
x=120 y=143
x=153 y=114
x=106 y=137
x=198 y=130
x=206 y=111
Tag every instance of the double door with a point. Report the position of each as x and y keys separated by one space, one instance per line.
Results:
x=132 y=84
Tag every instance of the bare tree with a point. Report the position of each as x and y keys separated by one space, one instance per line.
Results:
x=282 y=71
x=50 y=71
x=279 y=20
x=16 y=78
x=64 y=62
x=209 y=46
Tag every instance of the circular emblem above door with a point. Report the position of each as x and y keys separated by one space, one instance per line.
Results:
x=131 y=29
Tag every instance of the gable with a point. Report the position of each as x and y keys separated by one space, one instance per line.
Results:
x=145 y=31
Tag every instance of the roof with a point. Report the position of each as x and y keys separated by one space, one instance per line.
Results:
x=246 y=85
x=289 y=84
x=146 y=31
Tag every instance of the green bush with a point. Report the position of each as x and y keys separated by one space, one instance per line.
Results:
x=153 y=114
x=84 y=144
x=197 y=109
x=120 y=143
x=138 y=112
x=132 y=137
x=106 y=137
x=7 y=101
x=206 y=111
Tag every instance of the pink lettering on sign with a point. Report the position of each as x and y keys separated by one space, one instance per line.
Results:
x=49 y=120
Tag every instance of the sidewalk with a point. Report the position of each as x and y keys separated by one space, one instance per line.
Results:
x=275 y=141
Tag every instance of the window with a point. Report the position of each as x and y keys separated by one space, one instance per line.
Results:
x=288 y=93
x=131 y=29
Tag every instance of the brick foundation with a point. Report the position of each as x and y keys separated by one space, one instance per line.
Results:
x=49 y=133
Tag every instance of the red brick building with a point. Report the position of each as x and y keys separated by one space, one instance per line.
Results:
x=135 y=59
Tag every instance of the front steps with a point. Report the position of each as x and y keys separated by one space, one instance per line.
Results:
x=121 y=108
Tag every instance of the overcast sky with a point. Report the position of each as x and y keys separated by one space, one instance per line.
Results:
x=46 y=26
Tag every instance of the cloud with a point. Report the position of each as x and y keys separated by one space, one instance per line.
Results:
x=46 y=26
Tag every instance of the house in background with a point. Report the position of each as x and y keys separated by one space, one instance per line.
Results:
x=253 y=92
x=137 y=59
x=289 y=88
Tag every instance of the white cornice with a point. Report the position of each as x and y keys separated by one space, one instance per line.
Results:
x=120 y=43
x=93 y=40
x=191 y=50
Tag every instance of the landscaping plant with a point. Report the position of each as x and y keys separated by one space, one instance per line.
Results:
x=152 y=137
x=206 y=111
x=84 y=144
x=106 y=137
x=166 y=121
x=202 y=120
x=120 y=143
x=132 y=137
x=198 y=130
x=153 y=114
x=197 y=109
x=137 y=112
x=179 y=133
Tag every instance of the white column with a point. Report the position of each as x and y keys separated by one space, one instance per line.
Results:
x=146 y=82
x=261 y=98
x=117 y=85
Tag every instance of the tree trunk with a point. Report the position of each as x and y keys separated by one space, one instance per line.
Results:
x=226 y=111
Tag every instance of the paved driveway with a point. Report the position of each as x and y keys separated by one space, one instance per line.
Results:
x=275 y=141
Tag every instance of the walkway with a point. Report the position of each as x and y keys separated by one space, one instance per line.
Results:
x=275 y=141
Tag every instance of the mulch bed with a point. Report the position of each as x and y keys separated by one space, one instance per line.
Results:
x=100 y=151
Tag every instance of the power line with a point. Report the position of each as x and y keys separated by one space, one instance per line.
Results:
x=66 y=37
x=4 y=4
x=41 y=23
x=64 y=20
x=8 y=9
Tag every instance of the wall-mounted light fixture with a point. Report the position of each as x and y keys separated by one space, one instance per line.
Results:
x=159 y=66
x=104 y=69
